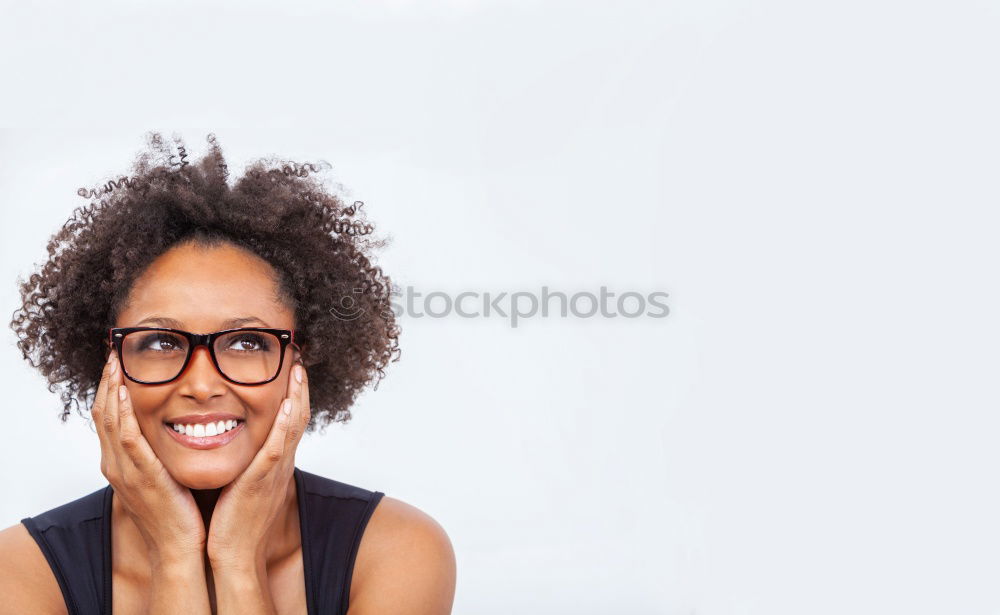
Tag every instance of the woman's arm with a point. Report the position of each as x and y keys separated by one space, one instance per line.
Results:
x=179 y=586
x=243 y=591
x=405 y=564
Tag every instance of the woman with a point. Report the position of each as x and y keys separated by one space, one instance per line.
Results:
x=206 y=327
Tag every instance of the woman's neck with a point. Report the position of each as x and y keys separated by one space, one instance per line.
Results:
x=206 y=499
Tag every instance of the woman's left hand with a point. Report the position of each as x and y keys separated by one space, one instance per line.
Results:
x=249 y=506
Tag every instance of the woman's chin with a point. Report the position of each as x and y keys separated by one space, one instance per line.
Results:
x=204 y=478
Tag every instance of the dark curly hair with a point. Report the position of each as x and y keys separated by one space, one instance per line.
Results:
x=320 y=247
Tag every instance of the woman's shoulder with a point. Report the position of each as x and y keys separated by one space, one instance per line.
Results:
x=405 y=558
x=27 y=583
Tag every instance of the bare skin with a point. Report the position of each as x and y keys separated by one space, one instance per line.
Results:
x=217 y=531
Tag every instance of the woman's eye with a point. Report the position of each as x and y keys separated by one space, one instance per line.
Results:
x=159 y=343
x=248 y=343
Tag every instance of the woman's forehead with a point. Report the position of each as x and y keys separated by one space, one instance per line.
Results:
x=206 y=285
x=211 y=264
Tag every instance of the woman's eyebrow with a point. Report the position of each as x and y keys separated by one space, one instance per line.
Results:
x=163 y=321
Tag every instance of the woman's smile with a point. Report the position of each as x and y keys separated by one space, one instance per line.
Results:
x=211 y=432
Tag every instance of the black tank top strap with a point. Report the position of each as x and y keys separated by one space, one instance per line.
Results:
x=333 y=516
x=76 y=541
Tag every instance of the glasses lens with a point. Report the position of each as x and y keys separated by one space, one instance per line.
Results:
x=153 y=356
x=248 y=356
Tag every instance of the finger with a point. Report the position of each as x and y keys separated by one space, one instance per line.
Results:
x=300 y=409
x=295 y=415
x=98 y=408
x=274 y=446
x=121 y=443
x=131 y=438
x=102 y=388
x=306 y=408
x=278 y=439
x=110 y=420
x=109 y=410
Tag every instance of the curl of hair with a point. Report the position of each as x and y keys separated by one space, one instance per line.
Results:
x=320 y=248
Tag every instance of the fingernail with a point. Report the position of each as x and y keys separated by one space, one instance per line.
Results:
x=122 y=392
x=114 y=367
x=287 y=409
x=298 y=373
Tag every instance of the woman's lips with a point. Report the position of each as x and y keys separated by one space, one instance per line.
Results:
x=205 y=442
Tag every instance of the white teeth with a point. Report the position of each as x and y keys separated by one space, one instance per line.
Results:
x=201 y=430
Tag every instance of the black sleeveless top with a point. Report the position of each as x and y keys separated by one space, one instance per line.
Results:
x=76 y=540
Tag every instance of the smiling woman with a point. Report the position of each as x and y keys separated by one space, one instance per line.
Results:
x=194 y=320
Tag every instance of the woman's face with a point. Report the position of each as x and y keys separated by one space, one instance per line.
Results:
x=199 y=289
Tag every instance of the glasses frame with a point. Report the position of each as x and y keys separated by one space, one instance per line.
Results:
x=286 y=337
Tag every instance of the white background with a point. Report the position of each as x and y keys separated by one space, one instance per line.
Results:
x=813 y=427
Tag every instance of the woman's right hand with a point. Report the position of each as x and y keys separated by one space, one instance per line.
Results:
x=162 y=509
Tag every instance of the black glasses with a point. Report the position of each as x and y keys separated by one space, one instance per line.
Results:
x=249 y=355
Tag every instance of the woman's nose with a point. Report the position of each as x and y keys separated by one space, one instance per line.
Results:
x=200 y=378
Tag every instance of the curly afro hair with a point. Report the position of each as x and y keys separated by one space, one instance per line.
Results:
x=320 y=247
